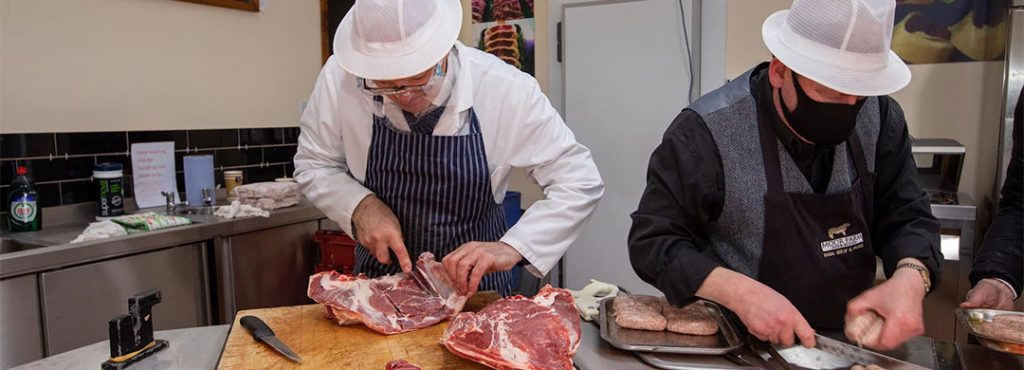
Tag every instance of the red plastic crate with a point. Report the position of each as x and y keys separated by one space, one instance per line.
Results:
x=337 y=251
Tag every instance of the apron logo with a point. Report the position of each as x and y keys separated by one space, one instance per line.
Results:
x=833 y=246
x=841 y=229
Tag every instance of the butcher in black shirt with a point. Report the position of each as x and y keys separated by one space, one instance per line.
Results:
x=774 y=194
x=998 y=272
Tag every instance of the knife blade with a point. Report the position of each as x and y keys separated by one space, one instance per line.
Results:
x=261 y=332
x=861 y=356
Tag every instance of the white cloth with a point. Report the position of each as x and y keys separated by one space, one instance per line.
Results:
x=239 y=210
x=588 y=300
x=520 y=129
x=101 y=230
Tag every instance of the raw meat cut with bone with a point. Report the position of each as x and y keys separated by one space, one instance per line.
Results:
x=389 y=304
x=539 y=333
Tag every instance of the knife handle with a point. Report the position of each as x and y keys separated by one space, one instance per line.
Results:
x=256 y=327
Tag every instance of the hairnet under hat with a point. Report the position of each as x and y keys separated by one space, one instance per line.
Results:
x=393 y=39
x=842 y=44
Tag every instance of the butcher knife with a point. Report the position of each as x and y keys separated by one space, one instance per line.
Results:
x=861 y=356
x=261 y=332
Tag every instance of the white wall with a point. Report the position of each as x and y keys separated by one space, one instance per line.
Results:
x=961 y=101
x=98 y=65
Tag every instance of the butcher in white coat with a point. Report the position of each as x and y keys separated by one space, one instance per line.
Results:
x=408 y=140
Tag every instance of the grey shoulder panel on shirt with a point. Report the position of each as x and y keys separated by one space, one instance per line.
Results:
x=727 y=95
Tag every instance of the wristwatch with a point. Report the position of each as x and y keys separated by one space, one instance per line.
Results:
x=921 y=270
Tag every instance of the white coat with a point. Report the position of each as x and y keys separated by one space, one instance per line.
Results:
x=520 y=129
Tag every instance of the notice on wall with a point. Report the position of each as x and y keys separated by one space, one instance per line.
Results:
x=153 y=172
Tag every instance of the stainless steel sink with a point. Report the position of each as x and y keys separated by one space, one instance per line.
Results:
x=8 y=245
x=189 y=211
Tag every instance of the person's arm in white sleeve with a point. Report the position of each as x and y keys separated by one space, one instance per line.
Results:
x=565 y=171
x=320 y=167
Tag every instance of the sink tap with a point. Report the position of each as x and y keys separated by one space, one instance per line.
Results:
x=208 y=197
x=171 y=206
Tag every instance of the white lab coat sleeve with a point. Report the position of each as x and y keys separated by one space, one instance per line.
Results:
x=563 y=168
x=320 y=166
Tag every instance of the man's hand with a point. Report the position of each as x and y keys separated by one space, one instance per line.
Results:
x=378 y=230
x=768 y=315
x=899 y=302
x=989 y=293
x=471 y=261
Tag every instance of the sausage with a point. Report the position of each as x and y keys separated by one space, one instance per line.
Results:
x=865 y=329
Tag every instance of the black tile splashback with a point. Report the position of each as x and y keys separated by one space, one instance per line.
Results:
x=26 y=145
x=61 y=163
x=212 y=138
x=237 y=157
x=279 y=154
x=261 y=136
x=92 y=142
x=180 y=138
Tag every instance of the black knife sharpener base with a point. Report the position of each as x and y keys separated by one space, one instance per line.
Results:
x=131 y=335
x=160 y=345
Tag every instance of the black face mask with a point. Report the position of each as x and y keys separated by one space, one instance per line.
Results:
x=821 y=123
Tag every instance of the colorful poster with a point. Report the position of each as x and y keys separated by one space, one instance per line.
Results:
x=505 y=28
x=945 y=31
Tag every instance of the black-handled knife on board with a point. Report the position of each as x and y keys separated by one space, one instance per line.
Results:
x=261 y=332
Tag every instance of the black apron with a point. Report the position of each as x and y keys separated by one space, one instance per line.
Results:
x=817 y=247
x=439 y=188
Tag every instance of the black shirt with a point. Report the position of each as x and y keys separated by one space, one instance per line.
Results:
x=686 y=189
x=1001 y=253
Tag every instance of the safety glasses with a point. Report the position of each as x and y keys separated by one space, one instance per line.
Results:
x=373 y=88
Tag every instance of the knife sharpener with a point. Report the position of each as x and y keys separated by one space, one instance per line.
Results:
x=131 y=335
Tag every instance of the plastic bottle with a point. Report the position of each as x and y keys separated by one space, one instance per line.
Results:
x=24 y=214
x=109 y=179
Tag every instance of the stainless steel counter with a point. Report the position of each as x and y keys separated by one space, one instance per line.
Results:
x=192 y=348
x=48 y=249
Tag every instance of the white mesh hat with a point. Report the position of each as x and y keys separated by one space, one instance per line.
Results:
x=393 y=39
x=842 y=44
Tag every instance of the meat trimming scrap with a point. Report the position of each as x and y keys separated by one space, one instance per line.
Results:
x=389 y=304
x=536 y=333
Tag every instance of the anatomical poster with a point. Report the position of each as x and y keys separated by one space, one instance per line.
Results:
x=945 y=31
x=505 y=28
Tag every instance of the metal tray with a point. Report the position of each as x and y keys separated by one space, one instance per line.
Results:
x=668 y=342
x=971 y=318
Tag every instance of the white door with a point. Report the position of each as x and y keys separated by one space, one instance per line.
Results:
x=626 y=77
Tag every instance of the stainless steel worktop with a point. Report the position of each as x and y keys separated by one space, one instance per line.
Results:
x=48 y=249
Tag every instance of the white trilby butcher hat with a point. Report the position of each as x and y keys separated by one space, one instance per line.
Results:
x=393 y=39
x=842 y=44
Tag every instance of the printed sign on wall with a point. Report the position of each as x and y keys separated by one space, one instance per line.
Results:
x=505 y=28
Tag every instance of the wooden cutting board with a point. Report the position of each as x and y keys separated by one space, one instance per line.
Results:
x=323 y=344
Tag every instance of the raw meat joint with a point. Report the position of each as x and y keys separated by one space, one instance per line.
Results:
x=401 y=365
x=389 y=304
x=539 y=333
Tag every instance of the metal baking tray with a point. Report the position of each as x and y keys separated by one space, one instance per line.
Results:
x=668 y=342
x=971 y=318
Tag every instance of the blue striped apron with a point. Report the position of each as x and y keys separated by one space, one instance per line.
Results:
x=439 y=187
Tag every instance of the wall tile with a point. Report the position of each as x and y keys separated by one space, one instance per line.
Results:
x=261 y=136
x=59 y=169
x=261 y=174
x=291 y=135
x=7 y=172
x=92 y=142
x=26 y=145
x=49 y=195
x=237 y=157
x=289 y=170
x=213 y=138
x=279 y=154
x=78 y=192
x=179 y=137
